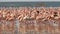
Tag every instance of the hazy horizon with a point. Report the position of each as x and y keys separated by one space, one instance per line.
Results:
x=25 y=0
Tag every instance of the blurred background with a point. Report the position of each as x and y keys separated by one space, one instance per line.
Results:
x=25 y=0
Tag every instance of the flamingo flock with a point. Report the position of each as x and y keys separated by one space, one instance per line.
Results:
x=30 y=20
